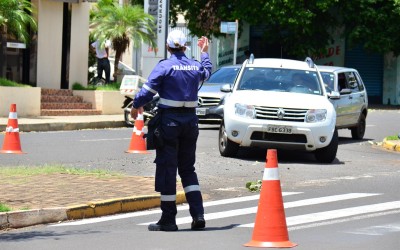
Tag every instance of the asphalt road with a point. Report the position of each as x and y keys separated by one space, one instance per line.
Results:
x=318 y=214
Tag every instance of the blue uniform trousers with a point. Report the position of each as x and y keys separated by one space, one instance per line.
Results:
x=180 y=132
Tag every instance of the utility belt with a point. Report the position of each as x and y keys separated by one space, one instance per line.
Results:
x=178 y=110
x=154 y=136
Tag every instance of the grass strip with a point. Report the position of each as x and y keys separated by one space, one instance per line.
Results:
x=52 y=169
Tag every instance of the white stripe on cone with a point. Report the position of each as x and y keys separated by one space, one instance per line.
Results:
x=271 y=174
x=11 y=129
x=12 y=115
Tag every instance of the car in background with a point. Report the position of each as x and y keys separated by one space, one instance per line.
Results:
x=350 y=98
x=210 y=95
x=281 y=104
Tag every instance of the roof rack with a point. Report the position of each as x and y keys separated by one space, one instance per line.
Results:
x=251 y=59
x=310 y=62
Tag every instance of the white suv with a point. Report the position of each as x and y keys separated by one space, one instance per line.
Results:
x=348 y=95
x=279 y=103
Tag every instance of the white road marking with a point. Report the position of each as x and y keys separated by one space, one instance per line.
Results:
x=149 y=212
x=353 y=218
x=377 y=230
x=253 y=210
x=336 y=214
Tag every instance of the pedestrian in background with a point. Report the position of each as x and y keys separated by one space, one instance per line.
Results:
x=176 y=80
x=103 y=64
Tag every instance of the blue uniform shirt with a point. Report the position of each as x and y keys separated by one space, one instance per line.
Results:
x=176 y=80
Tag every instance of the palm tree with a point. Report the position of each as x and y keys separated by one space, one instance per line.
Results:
x=122 y=25
x=15 y=24
x=16 y=19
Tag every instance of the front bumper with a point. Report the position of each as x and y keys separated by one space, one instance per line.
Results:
x=213 y=113
x=303 y=136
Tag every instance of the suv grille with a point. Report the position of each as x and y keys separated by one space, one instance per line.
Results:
x=282 y=114
x=208 y=101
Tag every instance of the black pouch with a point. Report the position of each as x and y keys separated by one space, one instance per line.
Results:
x=154 y=137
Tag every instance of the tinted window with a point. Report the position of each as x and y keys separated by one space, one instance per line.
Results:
x=283 y=80
x=329 y=81
x=349 y=80
x=224 y=75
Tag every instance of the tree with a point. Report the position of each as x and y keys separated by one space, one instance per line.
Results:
x=122 y=25
x=301 y=27
x=16 y=20
x=373 y=23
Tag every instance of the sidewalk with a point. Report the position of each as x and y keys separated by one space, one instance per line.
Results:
x=58 y=123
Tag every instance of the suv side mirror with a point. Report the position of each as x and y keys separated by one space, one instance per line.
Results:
x=334 y=95
x=345 y=91
x=226 y=88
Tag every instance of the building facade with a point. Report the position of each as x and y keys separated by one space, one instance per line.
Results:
x=57 y=56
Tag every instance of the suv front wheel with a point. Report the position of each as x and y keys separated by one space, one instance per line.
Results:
x=358 y=132
x=227 y=148
x=328 y=153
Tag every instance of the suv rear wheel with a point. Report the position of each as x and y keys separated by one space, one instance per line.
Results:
x=358 y=132
x=328 y=153
x=227 y=148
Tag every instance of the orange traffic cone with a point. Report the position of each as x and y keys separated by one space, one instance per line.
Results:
x=138 y=143
x=11 y=143
x=270 y=228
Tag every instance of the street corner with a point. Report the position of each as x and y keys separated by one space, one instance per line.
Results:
x=393 y=145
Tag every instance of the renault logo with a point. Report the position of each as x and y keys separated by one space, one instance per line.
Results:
x=280 y=113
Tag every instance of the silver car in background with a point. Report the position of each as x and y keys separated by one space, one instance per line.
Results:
x=210 y=95
x=347 y=93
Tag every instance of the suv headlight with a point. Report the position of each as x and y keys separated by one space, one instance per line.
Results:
x=243 y=110
x=316 y=115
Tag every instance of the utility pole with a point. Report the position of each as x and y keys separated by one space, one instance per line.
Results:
x=236 y=42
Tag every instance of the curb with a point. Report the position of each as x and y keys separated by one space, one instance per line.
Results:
x=390 y=145
x=19 y=219
x=60 y=126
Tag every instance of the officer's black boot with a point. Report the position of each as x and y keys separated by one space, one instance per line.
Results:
x=198 y=223
x=163 y=225
x=167 y=221
x=196 y=210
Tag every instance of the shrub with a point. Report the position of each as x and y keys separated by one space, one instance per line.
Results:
x=8 y=83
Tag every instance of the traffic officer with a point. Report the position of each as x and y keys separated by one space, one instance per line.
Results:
x=176 y=80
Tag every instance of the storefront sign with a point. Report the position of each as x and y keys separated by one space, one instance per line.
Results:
x=16 y=45
x=150 y=55
x=157 y=9
x=228 y=27
x=334 y=55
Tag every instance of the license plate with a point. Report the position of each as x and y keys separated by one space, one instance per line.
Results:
x=200 y=111
x=279 y=129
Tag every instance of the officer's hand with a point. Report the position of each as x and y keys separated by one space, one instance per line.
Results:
x=203 y=44
x=135 y=112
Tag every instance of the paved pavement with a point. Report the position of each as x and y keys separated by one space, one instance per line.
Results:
x=19 y=219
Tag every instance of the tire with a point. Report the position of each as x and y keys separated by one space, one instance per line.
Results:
x=227 y=148
x=97 y=82
x=357 y=133
x=128 y=119
x=328 y=153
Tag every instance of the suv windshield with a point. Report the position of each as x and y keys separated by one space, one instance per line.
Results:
x=224 y=75
x=282 y=80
